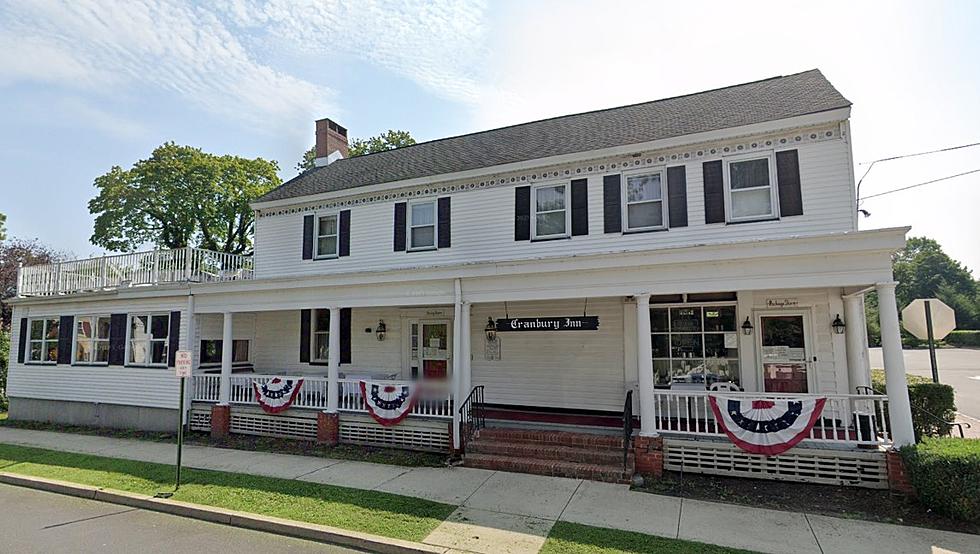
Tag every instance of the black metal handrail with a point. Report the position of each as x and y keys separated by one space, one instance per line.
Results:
x=627 y=427
x=472 y=416
x=948 y=423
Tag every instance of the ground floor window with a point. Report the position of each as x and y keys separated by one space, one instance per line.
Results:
x=43 y=340
x=92 y=340
x=694 y=344
x=321 y=335
x=148 y=339
x=211 y=351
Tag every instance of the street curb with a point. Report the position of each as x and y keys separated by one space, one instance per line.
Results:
x=255 y=522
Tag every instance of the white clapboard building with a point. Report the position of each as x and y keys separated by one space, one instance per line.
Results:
x=576 y=277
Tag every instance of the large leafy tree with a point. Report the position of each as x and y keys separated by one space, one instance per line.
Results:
x=181 y=196
x=3 y=226
x=14 y=253
x=358 y=147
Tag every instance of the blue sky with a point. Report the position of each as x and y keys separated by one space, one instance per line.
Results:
x=87 y=85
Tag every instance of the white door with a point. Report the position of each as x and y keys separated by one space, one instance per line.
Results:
x=784 y=348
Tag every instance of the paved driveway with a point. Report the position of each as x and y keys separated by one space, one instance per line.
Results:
x=959 y=367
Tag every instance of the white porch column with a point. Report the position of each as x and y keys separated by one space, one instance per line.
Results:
x=899 y=409
x=333 y=361
x=856 y=336
x=227 y=336
x=466 y=373
x=644 y=366
x=456 y=383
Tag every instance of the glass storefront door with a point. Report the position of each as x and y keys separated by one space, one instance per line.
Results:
x=435 y=349
x=784 y=353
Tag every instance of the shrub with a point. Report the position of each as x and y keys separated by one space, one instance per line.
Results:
x=963 y=338
x=4 y=360
x=945 y=474
x=932 y=403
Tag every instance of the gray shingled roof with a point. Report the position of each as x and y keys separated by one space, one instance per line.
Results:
x=746 y=104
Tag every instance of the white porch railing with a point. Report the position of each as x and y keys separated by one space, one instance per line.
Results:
x=847 y=419
x=433 y=401
x=135 y=269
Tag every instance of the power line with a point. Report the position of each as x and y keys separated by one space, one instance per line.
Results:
x=920 y=184
x=947 y=149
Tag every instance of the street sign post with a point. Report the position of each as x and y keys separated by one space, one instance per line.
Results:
x=929 y=319
x=182 y=368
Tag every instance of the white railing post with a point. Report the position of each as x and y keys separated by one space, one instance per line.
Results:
x=20 y=278
x=644 y=366
x=188 y=255
x=57 y=278
x=333 y=361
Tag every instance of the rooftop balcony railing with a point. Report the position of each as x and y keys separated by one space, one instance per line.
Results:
x=156 y=267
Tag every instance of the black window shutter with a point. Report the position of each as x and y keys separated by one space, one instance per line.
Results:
x=677 y=195
x=308 y=223
x=22 y=340
x=65 y=328
x=714 y=192
x=788 y=178
x=117 y=339
x=174 y=339
x=580 y=207
x=522 y=213
x=400 y=209
x=344 y=249
x=612 y=212
x=445 y=224
x=345 y=335
x=304 y=336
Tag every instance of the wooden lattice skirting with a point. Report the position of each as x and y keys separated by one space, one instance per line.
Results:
x=807 y=465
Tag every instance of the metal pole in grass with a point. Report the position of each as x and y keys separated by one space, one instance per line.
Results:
x=182 y=369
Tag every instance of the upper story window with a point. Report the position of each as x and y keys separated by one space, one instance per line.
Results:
x=551 y=214
x=643 y=201
x=43 y=340
x=326 y=236
x=148 y=339
x=422 y=225
x=751 y=188
x=321 y=335
x=92 y=339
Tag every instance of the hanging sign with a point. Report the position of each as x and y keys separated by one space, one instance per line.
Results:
x=277 y=395
x=765 y=426
x=562 y=323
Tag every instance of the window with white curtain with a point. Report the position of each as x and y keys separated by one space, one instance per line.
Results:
x=148 y=339
x=551 y=214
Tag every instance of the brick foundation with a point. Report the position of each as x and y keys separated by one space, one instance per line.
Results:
x=649 y=455
x=220 y=421
x=898 y=479
x=327 y=428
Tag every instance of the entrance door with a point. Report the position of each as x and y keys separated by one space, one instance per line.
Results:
x=434 y=349
x=784 y=353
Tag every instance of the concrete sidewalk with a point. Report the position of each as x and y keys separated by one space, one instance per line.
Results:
x=500 y=512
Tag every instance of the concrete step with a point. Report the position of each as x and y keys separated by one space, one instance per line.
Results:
x=556 y=438
x=554 y=468
x=546 y=451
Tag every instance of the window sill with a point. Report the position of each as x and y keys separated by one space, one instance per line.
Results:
x=147 y=366
x=641 y=231
x=744 y=221
x=90 y=364
x=40 y=363
x=332 y=257
x=423 y=249
x=548 y=239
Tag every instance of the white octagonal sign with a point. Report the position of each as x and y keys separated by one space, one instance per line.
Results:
x=914 y=318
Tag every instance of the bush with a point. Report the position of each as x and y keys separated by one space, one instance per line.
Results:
x=945 y=474
x=932 y=403
x=963 y=338
x=4 y=360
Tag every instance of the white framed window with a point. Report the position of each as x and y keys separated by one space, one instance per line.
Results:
x=644 y=204
x=91 y=339
x=751 y=188
x=327 y=236
x=551 y=218
x=43 y=340
x=694 y=343
x=422 y=228
x=149 y=339
x=321 y=336
x=211 y=351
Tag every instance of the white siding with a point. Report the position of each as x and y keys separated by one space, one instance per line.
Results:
x=570 y=369
x=483 y=224
x=150 y=387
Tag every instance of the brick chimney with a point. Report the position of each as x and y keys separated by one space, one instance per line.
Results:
x=331 y=139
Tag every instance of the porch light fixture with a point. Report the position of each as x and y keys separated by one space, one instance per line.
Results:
x=838 y=325
x=747 y=326
x=381 y=329
x=491 y=330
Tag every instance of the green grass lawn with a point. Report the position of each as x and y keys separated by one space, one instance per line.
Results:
x=572 y=538
x=379 y=513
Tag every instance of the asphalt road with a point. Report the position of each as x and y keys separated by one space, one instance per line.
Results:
x=958 y=367
x=35 y=521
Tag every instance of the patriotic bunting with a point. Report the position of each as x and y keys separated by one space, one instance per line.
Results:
x=767 y=427
x=388 y=403
x=277 y=395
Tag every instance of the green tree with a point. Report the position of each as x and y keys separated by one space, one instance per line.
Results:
x=3 y=227
x=358 y=147
x=181 y=196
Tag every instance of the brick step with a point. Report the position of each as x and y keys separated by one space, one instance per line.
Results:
x=545 y=451
x=554 y=468
x=557 y=438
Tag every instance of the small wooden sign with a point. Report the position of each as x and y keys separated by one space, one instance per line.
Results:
x=561 y=323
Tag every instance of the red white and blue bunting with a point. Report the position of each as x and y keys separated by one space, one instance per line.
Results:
x=763 y=426
x=388 y=403
x=277 y=395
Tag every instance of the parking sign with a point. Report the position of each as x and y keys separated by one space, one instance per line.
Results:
x=183 y=363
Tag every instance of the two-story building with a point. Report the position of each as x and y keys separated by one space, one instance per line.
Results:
x=574 y=273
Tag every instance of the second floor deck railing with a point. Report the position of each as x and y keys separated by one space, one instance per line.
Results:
x=154 y=267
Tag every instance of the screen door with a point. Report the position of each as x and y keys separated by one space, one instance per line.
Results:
x=784 y=353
